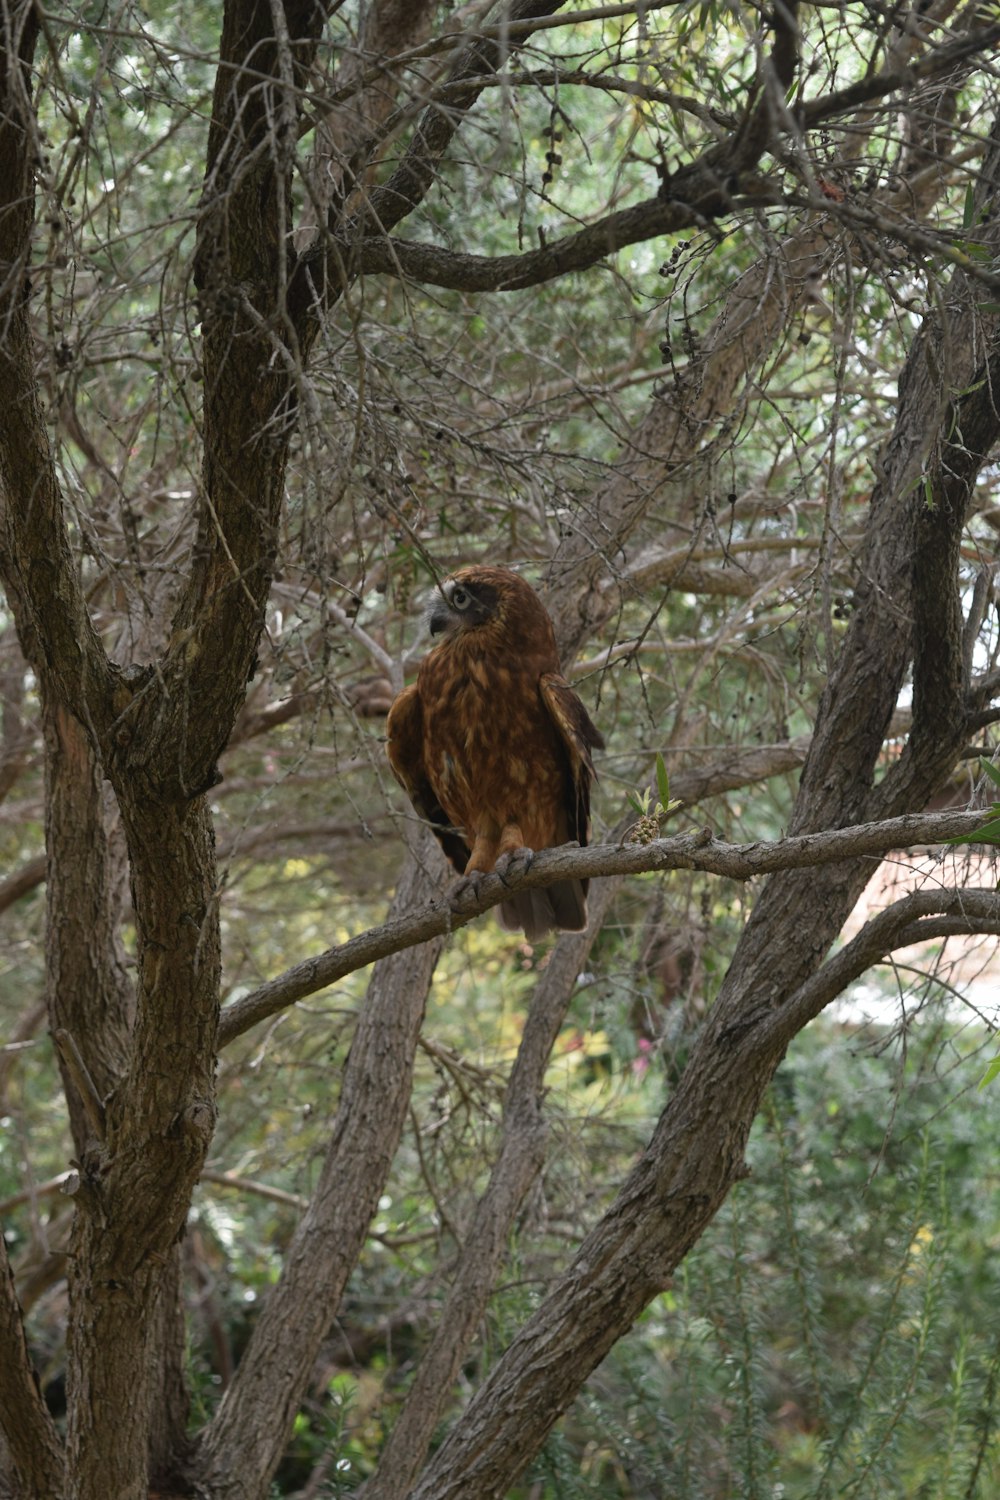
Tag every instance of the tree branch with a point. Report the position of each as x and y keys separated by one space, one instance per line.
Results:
x=35 y=1448
x=704 y=189
x=254 y=348
x=364 y=96
x=935 y=63
x=694 y=1157
x=953 y=370
x=36 y=562
x=967 y=910
x=697 y=851
x=409 y=183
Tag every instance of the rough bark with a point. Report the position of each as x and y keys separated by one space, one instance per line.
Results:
x=88 y=991
x=154 y=733
x=349 y=134
x=39 y=571
x=15 y=725
x=394 y=200
x=173 y=728
x=168 y=1354
x=135 y=1185
x=33 y=1457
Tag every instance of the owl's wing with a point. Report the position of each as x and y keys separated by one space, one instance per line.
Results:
x=564 y=904
x=579 y=734
x=405 y=749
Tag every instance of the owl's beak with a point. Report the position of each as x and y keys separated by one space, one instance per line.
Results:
x=440 y=618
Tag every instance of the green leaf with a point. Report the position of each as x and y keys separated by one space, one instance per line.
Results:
x=990 y=770
x=989 y=833
x=662 y=781
x=969 y=212
x=991 y=1073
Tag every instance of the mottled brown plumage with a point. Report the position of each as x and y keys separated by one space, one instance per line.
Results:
x=492 y=745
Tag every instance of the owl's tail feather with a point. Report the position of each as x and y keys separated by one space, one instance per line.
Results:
x=562 y=906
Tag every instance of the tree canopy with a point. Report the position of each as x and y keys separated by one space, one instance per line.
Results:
x=690 y=313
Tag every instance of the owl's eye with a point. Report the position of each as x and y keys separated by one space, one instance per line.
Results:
x=460 y=599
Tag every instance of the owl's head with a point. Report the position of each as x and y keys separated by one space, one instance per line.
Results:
x=466 y=600
x=478 y=596
x=491 y=609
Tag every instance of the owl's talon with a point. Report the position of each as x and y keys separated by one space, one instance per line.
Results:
x=514 y=864
x=462 y=886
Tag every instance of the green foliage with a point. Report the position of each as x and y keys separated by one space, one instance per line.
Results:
x=652 y=816
x=826 y=1337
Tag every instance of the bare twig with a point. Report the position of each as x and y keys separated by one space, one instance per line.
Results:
x=77 y=1069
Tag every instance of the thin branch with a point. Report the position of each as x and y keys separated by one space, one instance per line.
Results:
x=259 y=1189
x=377 y=653
x=37 y=1190
x=965 y=911
x=934 y=64
x=77 y=1070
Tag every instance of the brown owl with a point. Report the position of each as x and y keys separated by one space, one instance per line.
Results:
x=492 y=745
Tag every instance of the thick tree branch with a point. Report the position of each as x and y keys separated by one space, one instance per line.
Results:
x=940 y=681
x=409 y=183
x=254 y=350
x=36 y=563
x=35 y=1448
x=697 y=851
x=365 y=95
x=953 y=370
x=435 y=266
x=135 y=1186
x=937 y=62
x=703 y=190
x=716 y=183
x=16 y=734
x=88 y=988
x=22 y=881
